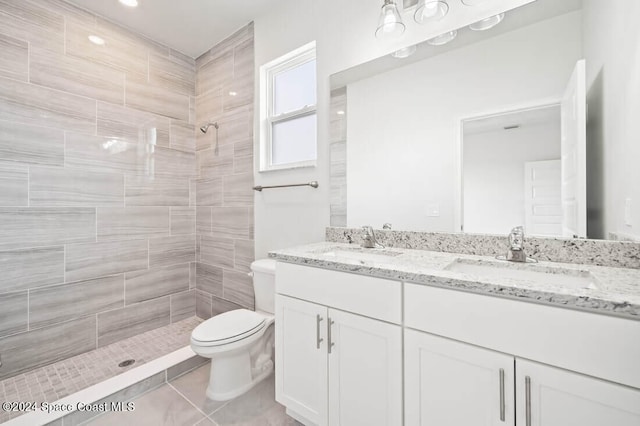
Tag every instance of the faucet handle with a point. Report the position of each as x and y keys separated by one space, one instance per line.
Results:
x=516 y=238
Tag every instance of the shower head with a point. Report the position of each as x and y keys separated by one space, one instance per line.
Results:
x=204 y=128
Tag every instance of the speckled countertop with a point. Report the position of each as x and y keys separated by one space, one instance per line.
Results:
x=599 y=289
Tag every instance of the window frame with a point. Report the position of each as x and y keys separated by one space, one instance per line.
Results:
x=293 y=59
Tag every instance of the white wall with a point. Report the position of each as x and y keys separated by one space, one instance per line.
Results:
x=493 y=181
x=612 y=51
x=404 y=125
x=344 y=32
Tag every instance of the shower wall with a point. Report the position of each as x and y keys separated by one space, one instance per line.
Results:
x=224 y=198
x=98 y=185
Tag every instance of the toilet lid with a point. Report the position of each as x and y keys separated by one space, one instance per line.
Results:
x=232 y=324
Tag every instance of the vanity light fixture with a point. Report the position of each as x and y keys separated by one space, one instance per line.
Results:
x=130 y=3
x=443 y=38
x=487 y=23
x=96 y=40
x=405 y=52
x=390 y=24
x=430 y=11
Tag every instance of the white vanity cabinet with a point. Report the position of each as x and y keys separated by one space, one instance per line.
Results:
x=338 y=347
x=464 y=351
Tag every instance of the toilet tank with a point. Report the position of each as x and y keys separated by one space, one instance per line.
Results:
x=264 y=284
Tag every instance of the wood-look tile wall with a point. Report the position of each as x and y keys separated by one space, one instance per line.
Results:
x=223 y=188
x=98 y=181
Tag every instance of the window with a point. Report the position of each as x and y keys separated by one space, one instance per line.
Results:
x=288 y=110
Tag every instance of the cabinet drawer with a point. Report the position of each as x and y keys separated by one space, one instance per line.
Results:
x=372 y=297
x=598 y=345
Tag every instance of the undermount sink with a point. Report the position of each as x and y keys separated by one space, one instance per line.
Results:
x=373 y=255
x=537 y=274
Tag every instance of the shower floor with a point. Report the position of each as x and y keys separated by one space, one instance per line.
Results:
x=63 y=378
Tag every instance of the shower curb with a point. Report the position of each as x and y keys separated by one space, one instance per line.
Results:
x=121 y=388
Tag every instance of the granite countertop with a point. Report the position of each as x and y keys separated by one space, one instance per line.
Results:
x=611 y=291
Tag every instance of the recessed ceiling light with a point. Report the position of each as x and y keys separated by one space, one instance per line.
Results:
x=405 y=52
x=232 y=93
x=130 y=3
x=96 y=40
x=443 y=38
x=487 y=23
x=341 y=112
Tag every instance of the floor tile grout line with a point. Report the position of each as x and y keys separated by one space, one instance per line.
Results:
x=193 y=404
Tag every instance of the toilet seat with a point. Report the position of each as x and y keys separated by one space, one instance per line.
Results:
x=228 y=327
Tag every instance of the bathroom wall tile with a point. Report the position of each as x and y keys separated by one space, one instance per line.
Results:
x=203 y=220
x=172 y=250
x=192 y=275
x=212 y=164
x=203 y=304
x=117 y=53
x=25 y=351
x=208 y=107
x=239 y=91
x=192 y=110
x=132 y=125
x=35 y=267
x=192 y=192
x=32 y=22
x=14 y=181
x=156 y=282
x=147 y=97
x=198 y=238
x=35 y=105
x=174 y=162
x=14 y=312
x=238 y=288
x=39 y=227
x=54 y=186
x=238 y=190
x=31 y=144
x=144 y=190
x=118 y=223
x=59 y=303
x=243 y=165
x=183 y=305
x=244 y=255
x=209 y=279
x=243 y=148
x=14 y=58
x=252 y=227
x=134 y=319
x=132 y=39
x=235 y=125
x=104 y=154
x=100 y=259
x=220 y=306
x=216 y=74
x=226 y=45
x=183 y=220
x=70 y=11
x=217 y=251
x=209 y=192
x=183 y=136
x=75 y=75
x=177 y=74
x=230 y=222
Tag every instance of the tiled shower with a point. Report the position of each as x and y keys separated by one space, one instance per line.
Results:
x=116 y=218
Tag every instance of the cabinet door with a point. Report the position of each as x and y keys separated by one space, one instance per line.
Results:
x=301 y=361
x=365 y=371
x=456 y=384
x=559 y=397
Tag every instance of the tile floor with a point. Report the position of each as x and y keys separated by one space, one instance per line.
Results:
x=55 y=381
x=183 y=402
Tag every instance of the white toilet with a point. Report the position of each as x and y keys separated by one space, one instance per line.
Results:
x=240 y=342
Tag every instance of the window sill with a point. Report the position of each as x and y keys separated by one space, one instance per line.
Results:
x=290 y=166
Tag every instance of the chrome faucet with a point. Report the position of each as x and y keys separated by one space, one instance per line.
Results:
x=368 y=238
x=516 y=245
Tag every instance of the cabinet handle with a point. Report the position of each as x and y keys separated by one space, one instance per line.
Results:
x=502 y=406
x=318 y=338
x=330 y=344
x=527 y=397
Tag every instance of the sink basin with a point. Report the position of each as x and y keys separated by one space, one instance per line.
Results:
x=363 y=255
x=536 y=274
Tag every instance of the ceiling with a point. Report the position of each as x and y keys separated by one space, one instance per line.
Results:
x=523 y=118
x=189 y=26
